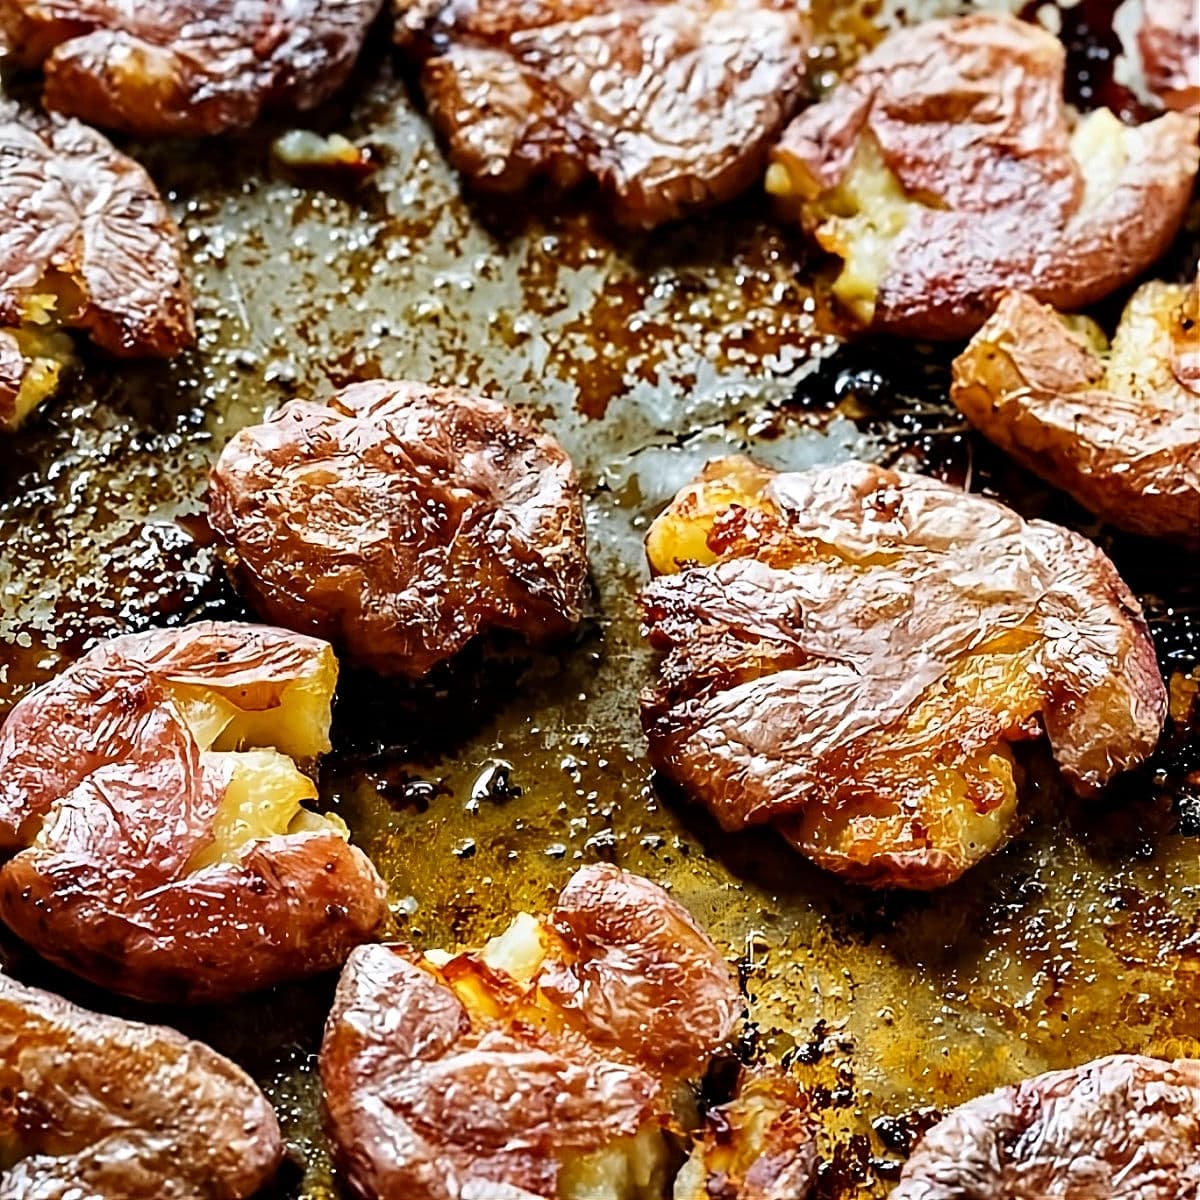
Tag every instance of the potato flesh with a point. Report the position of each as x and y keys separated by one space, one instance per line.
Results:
x=629 y=1168
x=47 y=352
x=257 y=751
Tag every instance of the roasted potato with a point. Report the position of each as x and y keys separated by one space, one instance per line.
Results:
x=851 y=651
x=1121 y=1128
x=667 y=105
x=86 y=243
x=550 y=1064
x=96 y=1108
x=946 y=169
x=759 y=1146
x=152 y=802
x=1168 y=45
x=185 y=67
x=400 y=520
x=1120 y=429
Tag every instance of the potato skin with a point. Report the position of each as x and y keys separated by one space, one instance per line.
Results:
x=400 y=520
x=185 y=67
x=1168 y=42
x=106 y=1109
x=105 y=795
x=1123 y=1127
x=968 y=114
x=72 y=206
x=860 y=648
x=1127 y=450
x=428 y=1098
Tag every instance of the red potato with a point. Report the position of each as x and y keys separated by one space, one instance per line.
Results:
x=1121 y=1128
x=86 y=243
x=400 y=520
x=548 y=1064
x=946 y=169
x=155 y=816
x=185 y=67
x=1168 y=44
x=668 y=105
x=96 y=1108
x=851 y=651
x=1118 y=430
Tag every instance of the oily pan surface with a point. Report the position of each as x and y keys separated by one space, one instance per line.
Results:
x=481 y=791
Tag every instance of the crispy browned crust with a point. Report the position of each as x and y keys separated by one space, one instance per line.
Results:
x=1168 y=40
x=83 y=221
x=761 y=1145
x=1132 y=457
x=669 y=105
x=968 y=113
x=94 y=1106
x=853 y=600
x=105 y=796
x=185 y=67
x=426 y=1098
x=400 y=520
x=1121 y=1128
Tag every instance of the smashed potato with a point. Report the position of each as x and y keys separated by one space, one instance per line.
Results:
x=86 y=243
x=99 y=1108
x=1168 y=45
x=851 y=651
x=185 y=67
x=152 y=802
x=668 y=105
x=400 y=520
x=1121 y=1128
x=1118 y=430
x=552 y=1063
x=946 y=169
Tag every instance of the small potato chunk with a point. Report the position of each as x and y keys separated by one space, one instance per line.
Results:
x=86 y=243
x=946 y=168
x=858 y=648
x=549 y=1065
x=400 y=520
x=1119 y=431
x=1121 y=1128
x=1168 y=45
x=185 y=67
x=99 y=1108
x=759 y=1146
x=152 y=802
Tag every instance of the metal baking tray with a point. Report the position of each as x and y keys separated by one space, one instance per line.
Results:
x=479 y=793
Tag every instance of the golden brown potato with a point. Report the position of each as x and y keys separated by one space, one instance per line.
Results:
x=162 y=844
x=96 y=1108
x=759 y=1146
x=185 y=67
x=946 y=169
x=1121 y=1128
x=668 y=105
x=86 y=243
x=1118 y=430
x=550 y=1064
x=850 y=652
x=399 y=520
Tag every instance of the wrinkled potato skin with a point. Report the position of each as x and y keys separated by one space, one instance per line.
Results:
x=84 y=224
x=1127 y=450
x=97 y=1107
x=1168 y=40
x=862 y=645
x=968 y=114
x=105 y=795
x=427 y=1097
x=1121 y=1128
x=669 y=105
x=185 y=67
x=400 y=520
x=760 y=1146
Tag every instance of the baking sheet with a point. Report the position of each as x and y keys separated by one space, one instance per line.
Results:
x=480 y=792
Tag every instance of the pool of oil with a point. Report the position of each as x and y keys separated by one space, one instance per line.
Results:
x=479 y=792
